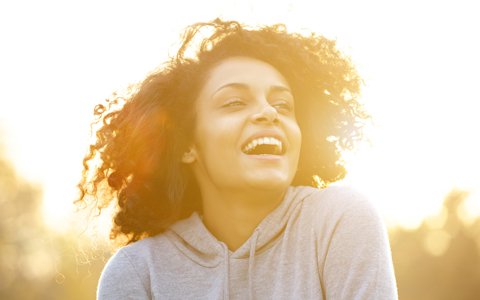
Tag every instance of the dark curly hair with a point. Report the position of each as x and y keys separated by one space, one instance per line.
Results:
x=140 y=138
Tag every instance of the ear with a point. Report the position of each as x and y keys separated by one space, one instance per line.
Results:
x=189 y=156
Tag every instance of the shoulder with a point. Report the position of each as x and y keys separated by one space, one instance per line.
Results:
x=141 y=252
x=126 y=272
x=352 y=245
x=335 y=199
x=353 y=248
x=334 y=206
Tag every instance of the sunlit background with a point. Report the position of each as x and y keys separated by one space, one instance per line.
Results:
x=419 y=59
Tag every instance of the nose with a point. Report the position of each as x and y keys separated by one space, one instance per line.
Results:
x=266 y=114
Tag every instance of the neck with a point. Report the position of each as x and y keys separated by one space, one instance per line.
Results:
x=232 y=217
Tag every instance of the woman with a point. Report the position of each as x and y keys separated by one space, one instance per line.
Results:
x=220 y=163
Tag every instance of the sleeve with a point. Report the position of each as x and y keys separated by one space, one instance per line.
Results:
x=121 y=280
x=358 y=262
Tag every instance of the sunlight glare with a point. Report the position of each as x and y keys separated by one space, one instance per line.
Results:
x=420 y=87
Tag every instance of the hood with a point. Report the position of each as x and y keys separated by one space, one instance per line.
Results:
x=192 y=238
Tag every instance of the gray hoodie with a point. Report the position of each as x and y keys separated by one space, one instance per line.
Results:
x=317 y=244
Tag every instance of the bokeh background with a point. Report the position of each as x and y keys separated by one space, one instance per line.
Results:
x=420 y=166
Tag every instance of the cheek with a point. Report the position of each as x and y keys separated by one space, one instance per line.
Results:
x=214 y=140
x=295 y=135
x=299 y=134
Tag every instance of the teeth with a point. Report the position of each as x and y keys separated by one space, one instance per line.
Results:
x=263 y=141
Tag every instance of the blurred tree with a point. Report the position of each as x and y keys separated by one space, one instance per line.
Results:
x=440 y=259
x=23 y=258
x=36 y=263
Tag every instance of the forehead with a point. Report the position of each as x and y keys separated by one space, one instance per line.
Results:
x=243 y=70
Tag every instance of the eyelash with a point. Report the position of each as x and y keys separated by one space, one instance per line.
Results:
x=232 y=102
x=282 y=106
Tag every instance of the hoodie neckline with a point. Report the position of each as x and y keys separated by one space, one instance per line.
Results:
x=197 y=238
x=192 y=238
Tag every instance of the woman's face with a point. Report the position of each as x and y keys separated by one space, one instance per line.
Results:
x=246 y=135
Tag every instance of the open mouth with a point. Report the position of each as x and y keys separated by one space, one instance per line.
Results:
x=264 y=146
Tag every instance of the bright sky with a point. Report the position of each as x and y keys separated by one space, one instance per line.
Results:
x=419 y=60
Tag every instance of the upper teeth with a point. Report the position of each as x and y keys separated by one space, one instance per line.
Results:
x=262 y=141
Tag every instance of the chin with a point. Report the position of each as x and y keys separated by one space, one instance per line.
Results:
x=270 y=182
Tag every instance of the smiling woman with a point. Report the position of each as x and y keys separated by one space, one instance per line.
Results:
x=236 y=125
x=220 y=164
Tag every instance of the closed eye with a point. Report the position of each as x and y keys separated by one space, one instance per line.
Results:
x=283 y=106
x=234 y=102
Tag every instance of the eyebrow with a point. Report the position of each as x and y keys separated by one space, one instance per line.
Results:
x=243 y=86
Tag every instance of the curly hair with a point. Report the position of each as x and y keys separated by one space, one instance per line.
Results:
x=136 y=157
